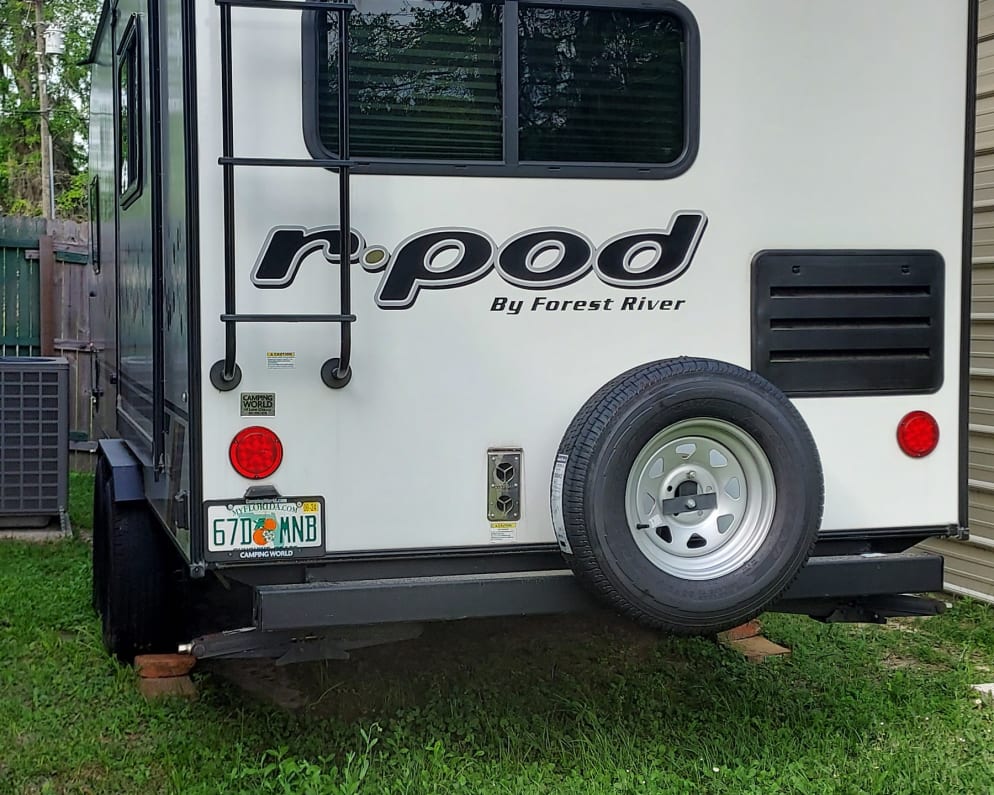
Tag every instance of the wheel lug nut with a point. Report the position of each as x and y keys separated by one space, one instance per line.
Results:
x=691 y=475
x=691 y=503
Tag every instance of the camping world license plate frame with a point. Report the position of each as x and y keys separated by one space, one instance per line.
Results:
x=265 y=530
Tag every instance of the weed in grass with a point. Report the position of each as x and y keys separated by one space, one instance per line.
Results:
x=279 y=771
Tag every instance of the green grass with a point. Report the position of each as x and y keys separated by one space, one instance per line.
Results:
x=545 y=706
x=81 y=501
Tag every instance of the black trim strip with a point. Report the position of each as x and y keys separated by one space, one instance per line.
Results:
x=192 y=152
x=932 y=531
x=302 y=5
x=375 y=557
x=284 y=162
x=105 y=17
x=441 y=552
x=480 y=560
x=969 y=166
x=158 y=246
x=115 y=193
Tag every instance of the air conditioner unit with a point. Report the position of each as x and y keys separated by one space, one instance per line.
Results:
x=34 y=442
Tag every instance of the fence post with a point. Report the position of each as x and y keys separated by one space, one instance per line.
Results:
x=46 y=282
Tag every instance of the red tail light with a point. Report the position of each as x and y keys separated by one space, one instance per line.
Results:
x=918 y=434
x=256 y=452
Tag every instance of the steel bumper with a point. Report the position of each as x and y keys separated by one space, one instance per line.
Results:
x=824 y=585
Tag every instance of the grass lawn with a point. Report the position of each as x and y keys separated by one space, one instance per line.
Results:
x=546 y=706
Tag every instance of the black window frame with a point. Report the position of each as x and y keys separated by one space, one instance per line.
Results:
x=129 y=52
x=511 y=166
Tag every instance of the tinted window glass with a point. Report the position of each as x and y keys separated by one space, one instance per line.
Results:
x=129 y=96
x=124 y=148
x=425 y=80
x=600 y=86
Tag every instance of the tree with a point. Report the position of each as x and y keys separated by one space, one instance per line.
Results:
x=68 y=89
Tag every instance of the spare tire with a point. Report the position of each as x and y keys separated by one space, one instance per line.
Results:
x=688 y=494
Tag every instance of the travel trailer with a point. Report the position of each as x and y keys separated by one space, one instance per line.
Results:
x=421 y=310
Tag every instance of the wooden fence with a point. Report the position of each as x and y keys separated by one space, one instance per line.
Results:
x=45 y=282
x=20 y=332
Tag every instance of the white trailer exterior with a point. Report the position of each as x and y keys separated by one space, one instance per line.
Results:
x=807 y=220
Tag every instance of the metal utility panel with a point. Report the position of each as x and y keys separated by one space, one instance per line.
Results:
x=504 y=479
x=34 y=440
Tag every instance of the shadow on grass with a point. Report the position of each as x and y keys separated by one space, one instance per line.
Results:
x=541 y=686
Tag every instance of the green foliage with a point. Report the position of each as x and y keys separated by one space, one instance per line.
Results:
x=71 y=202
x=68 y=88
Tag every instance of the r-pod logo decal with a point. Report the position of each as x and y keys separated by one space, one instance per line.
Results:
x=538 y=259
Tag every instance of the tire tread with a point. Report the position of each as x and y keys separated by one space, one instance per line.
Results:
x=579 y=443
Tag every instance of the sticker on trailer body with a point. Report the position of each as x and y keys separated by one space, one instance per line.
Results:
x=558 y=523
x=281 y=360
x=265 y=531
x=503 y=532
x=257 y=404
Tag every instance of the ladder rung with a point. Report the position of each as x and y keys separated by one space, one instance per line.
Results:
x=288 y=318
x=299 y=5
x=326 y=162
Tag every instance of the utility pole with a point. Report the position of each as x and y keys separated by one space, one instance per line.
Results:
x=47 y=175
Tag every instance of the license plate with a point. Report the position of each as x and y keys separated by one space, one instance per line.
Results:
x=252 y=531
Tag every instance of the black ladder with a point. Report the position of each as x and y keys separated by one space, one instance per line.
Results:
x=336 y=373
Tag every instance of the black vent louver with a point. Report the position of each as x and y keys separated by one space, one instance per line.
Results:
x=848 y=323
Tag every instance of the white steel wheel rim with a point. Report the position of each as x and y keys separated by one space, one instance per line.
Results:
x=692 y=458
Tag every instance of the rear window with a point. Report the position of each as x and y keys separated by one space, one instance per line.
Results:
x=512 y=87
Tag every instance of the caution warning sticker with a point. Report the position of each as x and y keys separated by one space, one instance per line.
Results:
x=281 y=360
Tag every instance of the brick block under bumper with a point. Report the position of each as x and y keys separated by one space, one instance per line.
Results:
x=823 y=583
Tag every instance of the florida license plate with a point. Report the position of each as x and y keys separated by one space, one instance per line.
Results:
x=252 y=531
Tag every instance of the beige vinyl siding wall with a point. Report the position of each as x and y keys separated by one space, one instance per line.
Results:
x=970 y=565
